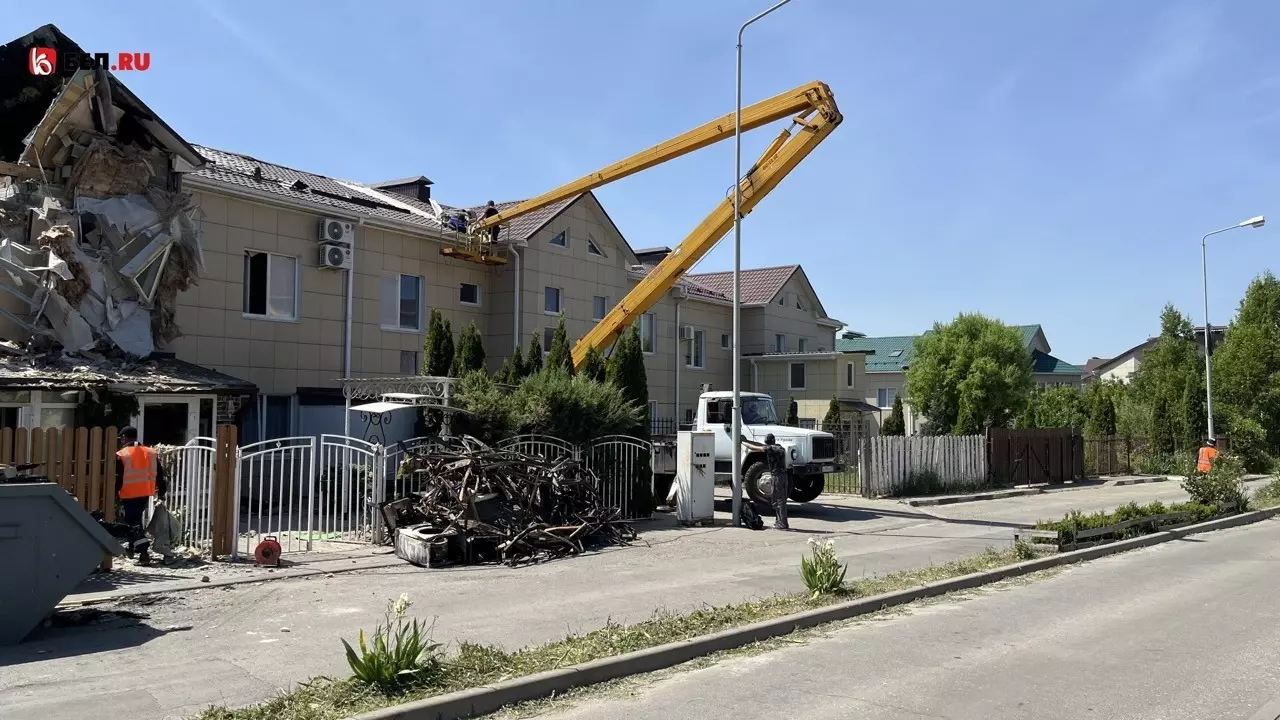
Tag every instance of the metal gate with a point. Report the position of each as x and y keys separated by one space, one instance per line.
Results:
x=544 y=446
x=275 y=489
x=189 y=469
x=394 y=483
x=348 y=490
x=624 y=466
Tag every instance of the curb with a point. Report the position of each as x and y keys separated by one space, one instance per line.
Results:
x=1143 y=480
x=484 y=700
x=953 y=499
x=82 y=599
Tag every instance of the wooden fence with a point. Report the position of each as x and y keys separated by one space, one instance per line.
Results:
x=1029 y=457
x=922 y=464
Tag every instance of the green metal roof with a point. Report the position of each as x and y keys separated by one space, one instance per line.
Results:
x=883 y=358
x=1044 y=363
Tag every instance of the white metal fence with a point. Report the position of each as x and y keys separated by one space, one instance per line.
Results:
x=922 y=464
x=275 y=489
x=189 y=470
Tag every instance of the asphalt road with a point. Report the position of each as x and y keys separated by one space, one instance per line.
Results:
x=1184 y=630
x=238 y=645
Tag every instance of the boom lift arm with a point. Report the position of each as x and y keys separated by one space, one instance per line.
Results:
x=815 y=114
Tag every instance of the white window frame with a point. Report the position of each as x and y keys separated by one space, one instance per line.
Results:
x=562 y=236
x=604 y=306
x=850 y=375
x=548 y=335
x=791 y=375
x=780 y=343
x=593 y=248
x=695 y=356
x=802 y=345
x=726 y=341
x=461 y=287
x=422 y=309
x=297 y=287
x=889 y=392
x=559 y=300
x=651 y=334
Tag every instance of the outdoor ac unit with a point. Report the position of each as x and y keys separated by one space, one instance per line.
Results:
x=686 y=332
x=335 y=256
x=336 y=231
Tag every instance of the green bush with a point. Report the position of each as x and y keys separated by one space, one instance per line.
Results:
x=1248 y=441
x=822 y=572
x=1222 y=485
x=922 y=482
x=1268 y=495
x=571 y=407
x=400 y=654
x=1075 y=521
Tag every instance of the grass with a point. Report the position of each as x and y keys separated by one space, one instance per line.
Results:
x=1075 y=521
x=476 y=665
x=1267 y=496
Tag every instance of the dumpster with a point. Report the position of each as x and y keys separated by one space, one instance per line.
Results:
x=48 y=544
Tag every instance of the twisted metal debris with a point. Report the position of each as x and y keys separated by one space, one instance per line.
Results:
x=470 y=503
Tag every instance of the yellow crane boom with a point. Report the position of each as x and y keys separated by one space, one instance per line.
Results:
x=815 y=114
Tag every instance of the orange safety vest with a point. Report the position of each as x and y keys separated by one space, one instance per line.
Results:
x=1204 y=463
x=140 y=467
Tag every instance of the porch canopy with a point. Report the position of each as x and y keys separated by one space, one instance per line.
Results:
x=375 y=398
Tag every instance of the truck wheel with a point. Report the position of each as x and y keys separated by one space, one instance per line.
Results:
x=758 y=483
x=807 y=488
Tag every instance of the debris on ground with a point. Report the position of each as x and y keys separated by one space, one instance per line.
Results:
x=470 y=503
x=80 y=617
x=97 y=238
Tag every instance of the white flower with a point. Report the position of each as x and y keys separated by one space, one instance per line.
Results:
x=401 y=604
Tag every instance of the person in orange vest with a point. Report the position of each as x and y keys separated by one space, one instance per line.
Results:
x=139 y=476
x=1204 y=462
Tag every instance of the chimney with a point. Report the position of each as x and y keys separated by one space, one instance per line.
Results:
x=653 y=255
x=418 y=188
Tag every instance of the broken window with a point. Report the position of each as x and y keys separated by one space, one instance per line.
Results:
x=270 y=285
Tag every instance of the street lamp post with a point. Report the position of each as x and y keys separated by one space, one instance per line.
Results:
x=1255 y=222
x=737 y=277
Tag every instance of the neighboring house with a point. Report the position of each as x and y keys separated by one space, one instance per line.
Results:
x=1124 y=366
x=889 y=358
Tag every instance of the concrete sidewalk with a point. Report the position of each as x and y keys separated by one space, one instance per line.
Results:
x=237 y=644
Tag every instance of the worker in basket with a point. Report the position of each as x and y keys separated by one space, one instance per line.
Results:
x=1208 y=453
x=139 y=477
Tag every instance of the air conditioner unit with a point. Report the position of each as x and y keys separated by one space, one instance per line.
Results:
x=335 y=256
x=336 y=231
x=686 y=332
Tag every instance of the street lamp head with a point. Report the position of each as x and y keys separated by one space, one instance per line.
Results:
x=1256 y=222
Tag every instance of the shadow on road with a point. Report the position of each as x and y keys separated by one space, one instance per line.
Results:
x=83 y=631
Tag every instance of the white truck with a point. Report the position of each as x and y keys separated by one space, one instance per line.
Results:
x=811 y=454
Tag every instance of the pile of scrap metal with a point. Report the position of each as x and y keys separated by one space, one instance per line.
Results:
x=96 y=237
x=473 y=504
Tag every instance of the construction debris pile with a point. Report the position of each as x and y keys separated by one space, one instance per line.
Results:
x=96 y=238
x=476 y=504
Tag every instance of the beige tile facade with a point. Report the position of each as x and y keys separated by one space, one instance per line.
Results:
x=281 y=355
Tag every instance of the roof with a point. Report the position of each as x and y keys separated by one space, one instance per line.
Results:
x=399 y=182
x=759 y=285
x=1044 y=364
x=159 y=373
x=1094 y=363
x=882 y=349
x=525 y=226
x=1029 y=333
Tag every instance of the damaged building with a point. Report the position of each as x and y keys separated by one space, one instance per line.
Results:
x=97 y=241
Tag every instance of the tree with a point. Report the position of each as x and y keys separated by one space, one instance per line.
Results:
x=1160 y=385
x=626 y=371
x=969 y=375
x=1101 y=401
x=560 y=355
x=469 y=355
x=896 y=423
x=437 y=350
x=518 y=368
x=1246 y=367
x=594 y=366
x=533 y=358
x=832 y=420
x=793 y=412
x=1057 y=407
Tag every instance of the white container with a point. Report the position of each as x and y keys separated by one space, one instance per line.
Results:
x=695 y=477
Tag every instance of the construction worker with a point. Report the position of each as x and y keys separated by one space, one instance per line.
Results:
x=1208 y=453
x=138 y=478
x=776 y=456
x=489 y=211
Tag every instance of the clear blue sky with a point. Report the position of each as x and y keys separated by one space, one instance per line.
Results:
x=1041 y=162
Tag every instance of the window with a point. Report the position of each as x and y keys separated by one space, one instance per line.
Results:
x=780 y=343
x=469 y=294
x=551 y=301
x=653 y=410
x=648 y=334
x=548 y=334
x=592 y=247
x=896 y=353
x=797 y=376
x=848 y=375
x=802 y=345
x=599 y=306
x=885 y=397
x=561 y=239
x=695 y=354
x=782 y=299
x=724 y=341
x=808 y=424
x=409 y=362
x=688 y=415
x=799 y=305
x=270 y=285
x=402 y=302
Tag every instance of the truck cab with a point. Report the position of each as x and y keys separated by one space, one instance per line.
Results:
x=811 y=454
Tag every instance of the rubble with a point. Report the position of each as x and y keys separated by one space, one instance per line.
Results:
x=478 y=504
x=96 y=237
